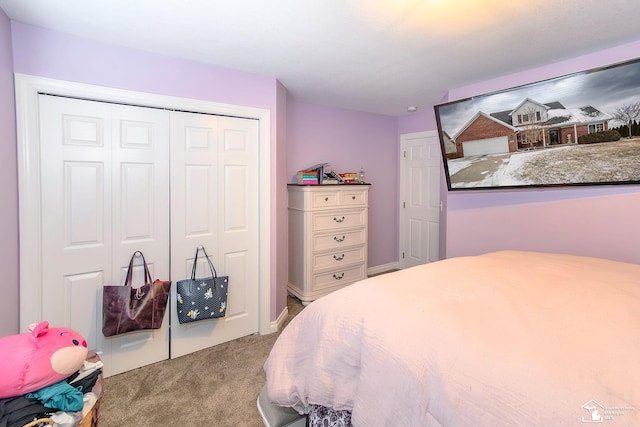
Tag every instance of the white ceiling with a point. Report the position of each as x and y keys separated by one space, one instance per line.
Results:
x=377 y=56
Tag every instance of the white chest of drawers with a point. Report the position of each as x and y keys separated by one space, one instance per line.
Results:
x=327 y=238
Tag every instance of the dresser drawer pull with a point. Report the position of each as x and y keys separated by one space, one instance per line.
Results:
x=338 y=219
x=338 y=277
x=326 y=199
x=338 y=239
x=338 y=258
x=353 y=197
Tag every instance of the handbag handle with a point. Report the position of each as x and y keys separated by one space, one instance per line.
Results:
x=147 y=275
x=195 y=263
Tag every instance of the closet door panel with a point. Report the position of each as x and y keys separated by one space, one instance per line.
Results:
x=235 y=225
x=237 y=267
x=138 y=217
x=75 y=236
x=197 y=202
x=83 y=210
x=104 y=190
x=213 y=203
x=238 y=236
x=236 y=199
x=193 y=216
x=140 y=222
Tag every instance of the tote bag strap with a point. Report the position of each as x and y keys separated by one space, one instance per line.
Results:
x=129 y=278
x=195 y=263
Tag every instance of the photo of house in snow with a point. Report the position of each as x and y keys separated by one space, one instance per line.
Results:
x=537 y=134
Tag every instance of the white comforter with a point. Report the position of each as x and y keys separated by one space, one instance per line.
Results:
x=503 y=339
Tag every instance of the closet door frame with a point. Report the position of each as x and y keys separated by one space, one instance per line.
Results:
x=29 y=192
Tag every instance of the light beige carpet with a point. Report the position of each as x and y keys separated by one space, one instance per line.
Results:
x=217 y=386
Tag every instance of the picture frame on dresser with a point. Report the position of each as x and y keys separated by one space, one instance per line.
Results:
x=328 y=234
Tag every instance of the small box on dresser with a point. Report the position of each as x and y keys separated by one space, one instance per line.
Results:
x=327 y=238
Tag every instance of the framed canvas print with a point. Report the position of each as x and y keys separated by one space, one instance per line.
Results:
x=579 y=129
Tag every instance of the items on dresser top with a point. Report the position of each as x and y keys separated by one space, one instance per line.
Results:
x=327 y=238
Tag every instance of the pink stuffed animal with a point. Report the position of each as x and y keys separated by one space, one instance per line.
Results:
x=31 y=361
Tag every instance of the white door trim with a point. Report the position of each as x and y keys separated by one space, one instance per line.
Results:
x=27 y=122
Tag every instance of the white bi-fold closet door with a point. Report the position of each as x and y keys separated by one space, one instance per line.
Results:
x=214 y=202
x=119 y=178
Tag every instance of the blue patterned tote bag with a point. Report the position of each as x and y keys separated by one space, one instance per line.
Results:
x=202 y=298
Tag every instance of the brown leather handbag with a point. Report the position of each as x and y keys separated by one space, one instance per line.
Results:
x=126 y=309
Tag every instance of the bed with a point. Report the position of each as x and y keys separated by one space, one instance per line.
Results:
x=501 y=339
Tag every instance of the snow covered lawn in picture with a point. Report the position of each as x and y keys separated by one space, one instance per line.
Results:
x=573 y=164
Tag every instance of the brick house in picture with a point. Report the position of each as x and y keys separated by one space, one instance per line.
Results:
x=529 y=125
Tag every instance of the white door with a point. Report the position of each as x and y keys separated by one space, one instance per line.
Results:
x=104 y=186
x=419 y=198
x=214 y=199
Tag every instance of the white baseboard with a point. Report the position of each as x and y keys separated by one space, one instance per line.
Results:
x=277 y=324
x=283 y=316
x=378 y=269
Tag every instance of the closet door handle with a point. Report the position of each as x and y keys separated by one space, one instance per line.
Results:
x=338 y=258
x=338 y=219
x=338 y=239
x=338 y=277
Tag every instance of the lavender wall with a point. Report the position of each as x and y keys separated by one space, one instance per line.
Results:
x=349 y=140
x=8 y=194
x=593 y=221
x=55 y=55
x=417 y=122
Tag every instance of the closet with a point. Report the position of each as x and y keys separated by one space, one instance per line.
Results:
x=117 y=178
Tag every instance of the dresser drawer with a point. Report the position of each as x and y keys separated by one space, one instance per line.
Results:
x=338 y=240
x=319 y=200
x=335 y=220
x=338 y=277
x=337 y=259
x=312 y=199
x=353 y=197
